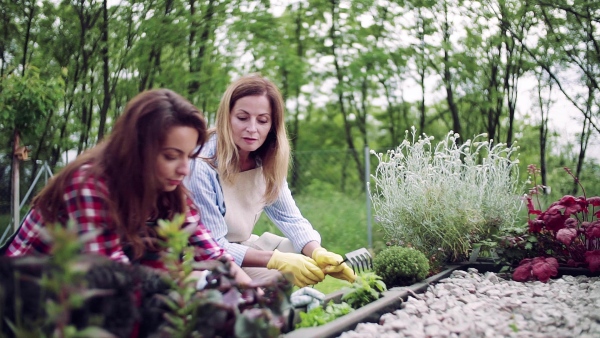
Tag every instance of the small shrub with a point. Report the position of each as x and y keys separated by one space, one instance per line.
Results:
x=400 y=266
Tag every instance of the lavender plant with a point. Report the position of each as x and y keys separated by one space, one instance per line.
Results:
x=442 y=198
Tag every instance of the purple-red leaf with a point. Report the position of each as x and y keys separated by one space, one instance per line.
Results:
x=544 y=268
x=571 y=204
x=538 y=268
x=592 y=230
x=531 y=207
x=566 y=235
x=571 y=223
x=593 y=259
x=554 y=218
x=567 y=200
x=523 y=272
x=535 y=225
x=594 y=201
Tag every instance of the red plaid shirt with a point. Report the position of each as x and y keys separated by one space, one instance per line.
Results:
x=86 y=206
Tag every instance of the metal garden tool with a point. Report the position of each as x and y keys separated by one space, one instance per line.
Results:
x=359 y=260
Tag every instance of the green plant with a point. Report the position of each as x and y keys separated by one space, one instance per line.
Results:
x=511 y=246
x=63 y=303
x=400 y=266
x=366 y=288
x=440 y=199
x=60 y=280
x=319 y=316
x=222 y=308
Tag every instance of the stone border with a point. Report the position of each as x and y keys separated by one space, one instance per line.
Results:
x=391 y=301
x=394 y=297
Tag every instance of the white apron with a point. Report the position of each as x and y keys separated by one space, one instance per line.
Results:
x=244 y=203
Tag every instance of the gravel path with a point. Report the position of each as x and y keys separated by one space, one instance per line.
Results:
x=470 y=304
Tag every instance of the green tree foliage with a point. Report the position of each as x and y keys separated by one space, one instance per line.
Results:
x=27 y=100
x=354 y=73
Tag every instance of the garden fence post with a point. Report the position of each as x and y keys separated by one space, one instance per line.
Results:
x=368 y=197
x=15 y=182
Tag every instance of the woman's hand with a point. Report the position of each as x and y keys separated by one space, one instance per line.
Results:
x=242 y=278
x=304 y=270
x=332 y=264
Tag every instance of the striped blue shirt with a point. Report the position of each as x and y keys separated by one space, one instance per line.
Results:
x=203 y=183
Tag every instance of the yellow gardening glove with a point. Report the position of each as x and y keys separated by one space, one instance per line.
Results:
x=304 y=269
x=345 y=272
x=329 y=262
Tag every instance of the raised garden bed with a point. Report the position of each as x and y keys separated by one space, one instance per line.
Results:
x=394 y=297
x=391 y=300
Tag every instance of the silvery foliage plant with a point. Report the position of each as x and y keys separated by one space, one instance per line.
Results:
x=441 y=198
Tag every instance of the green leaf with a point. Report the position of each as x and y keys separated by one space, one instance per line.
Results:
x=93 y=331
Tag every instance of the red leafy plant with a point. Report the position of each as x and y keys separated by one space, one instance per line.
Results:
x=570 y=229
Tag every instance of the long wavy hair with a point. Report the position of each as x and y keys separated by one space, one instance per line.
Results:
x=126 y=159
x=274 y=154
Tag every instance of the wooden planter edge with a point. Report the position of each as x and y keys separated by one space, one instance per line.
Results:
x=391 y=300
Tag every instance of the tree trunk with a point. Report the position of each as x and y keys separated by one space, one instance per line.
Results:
x=29 y=16
x=105 y=71
x=340 y=94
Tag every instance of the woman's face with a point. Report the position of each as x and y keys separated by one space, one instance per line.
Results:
x=250 y=122
x=172 y=163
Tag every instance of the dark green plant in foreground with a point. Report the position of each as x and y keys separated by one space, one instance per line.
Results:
x=223 y=308
x=69 y=294
x=50 y=293
x=400 y=266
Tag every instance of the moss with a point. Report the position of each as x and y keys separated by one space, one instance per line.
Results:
x=400 y=266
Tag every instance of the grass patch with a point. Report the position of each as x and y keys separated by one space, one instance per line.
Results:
x=331 y=284
x=328 y=285
x=340 y=219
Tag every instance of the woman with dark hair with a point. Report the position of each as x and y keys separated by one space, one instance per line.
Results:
x=115 y=192
x=242 y=172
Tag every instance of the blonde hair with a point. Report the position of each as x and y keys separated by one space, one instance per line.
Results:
x=274 y=154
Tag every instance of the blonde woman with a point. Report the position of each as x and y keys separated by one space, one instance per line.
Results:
x=241 y=172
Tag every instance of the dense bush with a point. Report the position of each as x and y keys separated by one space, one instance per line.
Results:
x=400 y=266
x=441 y=199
